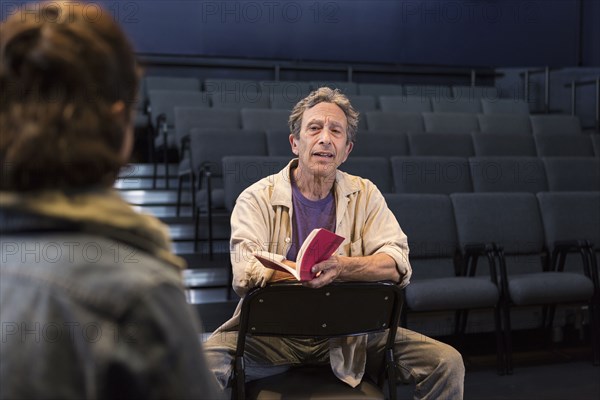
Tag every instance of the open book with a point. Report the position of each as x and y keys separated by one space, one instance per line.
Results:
x=318 y=246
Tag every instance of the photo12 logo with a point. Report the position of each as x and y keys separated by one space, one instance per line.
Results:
x=123 y=12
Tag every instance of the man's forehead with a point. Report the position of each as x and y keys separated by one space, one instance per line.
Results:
x=325 y=111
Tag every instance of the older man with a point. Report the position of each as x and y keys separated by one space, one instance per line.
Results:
x=277 y=213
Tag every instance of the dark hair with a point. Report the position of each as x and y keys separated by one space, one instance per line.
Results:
x=325 y=95
x=61 y=72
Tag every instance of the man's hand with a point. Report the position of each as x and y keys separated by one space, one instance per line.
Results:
x=377 y=267
x=327 y=271
x=282 y=276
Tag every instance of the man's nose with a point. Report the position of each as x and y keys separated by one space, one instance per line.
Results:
x=325 y=136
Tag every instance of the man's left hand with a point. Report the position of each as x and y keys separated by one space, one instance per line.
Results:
x=327 y=271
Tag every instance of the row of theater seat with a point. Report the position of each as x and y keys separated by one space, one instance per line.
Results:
x=512 y=239
x=215 y=143
x=232 y=174
x=302 y=88
x=176 y=122
x=405 y=103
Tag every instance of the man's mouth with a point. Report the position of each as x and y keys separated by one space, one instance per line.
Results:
x=323 y=154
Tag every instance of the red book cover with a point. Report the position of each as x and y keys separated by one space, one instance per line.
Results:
x=318 y=246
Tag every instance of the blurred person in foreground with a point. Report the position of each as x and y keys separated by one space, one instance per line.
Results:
x=277 y=213
x=91 y=300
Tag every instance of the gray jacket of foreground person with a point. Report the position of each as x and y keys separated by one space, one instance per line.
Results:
x=92 y=305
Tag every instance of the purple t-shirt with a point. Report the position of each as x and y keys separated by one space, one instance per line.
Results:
x=309 y=215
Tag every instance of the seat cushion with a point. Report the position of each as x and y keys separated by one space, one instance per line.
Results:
x=549 y=287
x=453 y=293
x=314 y=383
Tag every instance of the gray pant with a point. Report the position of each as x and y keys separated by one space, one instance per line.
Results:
x=436 y=369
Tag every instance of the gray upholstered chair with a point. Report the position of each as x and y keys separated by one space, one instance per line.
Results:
x=376 y=169
x=394 y=121
x=564 y=145
x=500 y=144
x=440 y=144
x=439 y=283
x=162 y=104
x=573 y=173
x=208 y=147
x=555 y=124
x=512 y=223
x=416 y=104
x=450 y=122
x=442 y=175
x=508 y=174
x=571 y=224
x=505 y=124
x=380 y=144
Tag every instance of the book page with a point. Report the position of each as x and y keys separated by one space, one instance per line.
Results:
x=267 y=260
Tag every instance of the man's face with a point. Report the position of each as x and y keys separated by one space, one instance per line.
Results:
x=322 y=146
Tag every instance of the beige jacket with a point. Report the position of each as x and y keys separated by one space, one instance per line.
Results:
x=262 y=220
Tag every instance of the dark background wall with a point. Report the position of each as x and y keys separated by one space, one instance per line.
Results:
x=498 y=33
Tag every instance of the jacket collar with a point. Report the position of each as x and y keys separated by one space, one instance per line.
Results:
x=98 y=212
x=344 y=186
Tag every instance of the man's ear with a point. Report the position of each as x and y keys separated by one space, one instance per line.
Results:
x=293 y=143
x=349 y=148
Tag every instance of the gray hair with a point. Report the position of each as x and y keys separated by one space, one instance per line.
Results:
x=324 y=95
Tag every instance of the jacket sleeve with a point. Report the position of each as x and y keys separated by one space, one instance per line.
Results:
x=158 y=353
x=382 y=234
x=250 y=232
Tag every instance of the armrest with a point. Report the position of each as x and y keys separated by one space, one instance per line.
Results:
x=473 y=251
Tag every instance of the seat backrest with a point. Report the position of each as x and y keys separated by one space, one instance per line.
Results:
x=188 y=118
x=376 y=169
x=171 y=83
x=510 y=124
x=414 y=104
x=433 y=91
x=441 y=175
x=347 y=88
x=510 y=220
x=555 y=124
x=441 y=122
x=239 y=100
x=572 y=173
x=504 y=106
x=363 y=103
x=338 y=309
x=499 y=144
x=428 y=221
x=440 y=144
x=508 y=174
x=242 y=86
x=278 y=143
x=239 y=172
x=264 y=120
x=165 y=101
x=290 y=89
x=476 y=92
x=570 y=216
x=380 y=144
x=564 y=145
x=283 y=101
x=209 y=146
x=456 y=105
x=380 y=89
x=394 y=121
